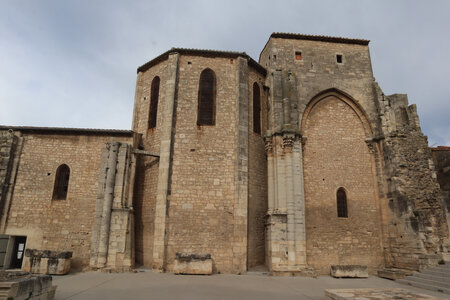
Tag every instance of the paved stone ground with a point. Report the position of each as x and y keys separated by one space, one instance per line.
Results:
x=148 y=285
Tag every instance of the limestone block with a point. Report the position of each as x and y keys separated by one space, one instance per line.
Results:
x=47 y=262
x=194 y=264
x=355 y=271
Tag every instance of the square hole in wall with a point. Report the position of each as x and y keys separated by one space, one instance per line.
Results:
x=339 y=58
x=298 y=55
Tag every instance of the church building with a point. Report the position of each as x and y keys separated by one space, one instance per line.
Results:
x=293 y=163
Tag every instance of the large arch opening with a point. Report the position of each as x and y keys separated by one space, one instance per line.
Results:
x=337 y=157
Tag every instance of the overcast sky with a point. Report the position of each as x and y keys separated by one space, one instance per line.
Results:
x=73 y=63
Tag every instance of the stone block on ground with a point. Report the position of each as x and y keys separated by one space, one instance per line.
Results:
x=393 y=274
x=353 y=294
x=193 y=264
x=352 y=271
x=47 y=262
x=22 y=285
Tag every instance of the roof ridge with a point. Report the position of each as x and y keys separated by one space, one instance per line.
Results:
x=322 y=38
x=205 y=52
x=67 y=129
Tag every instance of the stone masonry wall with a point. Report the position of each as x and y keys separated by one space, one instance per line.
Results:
x=63 y=225
x=257 y=197
x=201 y=217
x=441 y=159
x=318 y=71
x=294 y=84
x=336 y=156
x=417 y=223
x=147 y=167
x=8 y=145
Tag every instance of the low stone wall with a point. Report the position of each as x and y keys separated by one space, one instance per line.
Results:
x=21 y=285
x=195 y=264
x=47 y=262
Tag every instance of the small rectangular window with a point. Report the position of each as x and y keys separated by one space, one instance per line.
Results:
x=298 y=55
x=339 y=58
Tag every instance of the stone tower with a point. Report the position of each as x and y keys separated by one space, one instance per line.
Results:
x=211 y=176
x=333 y=134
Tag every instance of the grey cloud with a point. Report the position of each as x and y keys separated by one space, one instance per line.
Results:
x=73 y=63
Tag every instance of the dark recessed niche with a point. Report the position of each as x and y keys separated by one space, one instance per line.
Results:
x=339 y=58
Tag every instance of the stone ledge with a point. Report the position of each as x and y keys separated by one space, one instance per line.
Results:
x=352 y=271
x=193 y=264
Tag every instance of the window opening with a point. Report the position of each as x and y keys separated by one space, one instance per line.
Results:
x=342 y=203
x=206 y=98
x=61 y=182
x=298 y=55
x=339 y=58
x=154 y=103
x=256 y=109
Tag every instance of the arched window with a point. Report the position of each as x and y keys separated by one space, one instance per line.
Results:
x=256 y=109
x=207 y=98
x=61 y=182
x=153 y=103
x=341 y=203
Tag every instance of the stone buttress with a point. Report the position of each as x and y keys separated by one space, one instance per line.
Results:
x=286 y=240
x=112 y=245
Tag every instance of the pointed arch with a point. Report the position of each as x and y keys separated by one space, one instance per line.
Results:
x=344 y=97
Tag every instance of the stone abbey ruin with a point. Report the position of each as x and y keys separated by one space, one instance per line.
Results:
x=297 y=163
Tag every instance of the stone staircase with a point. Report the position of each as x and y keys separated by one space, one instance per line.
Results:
x=434 y=279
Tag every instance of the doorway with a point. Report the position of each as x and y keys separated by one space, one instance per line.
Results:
x=18 y=252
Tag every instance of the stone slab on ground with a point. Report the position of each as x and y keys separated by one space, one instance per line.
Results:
x=19 y=285
x=366 y=294
x=393 y=274
x=351 y=271
x=193 y=264
x=47 y=262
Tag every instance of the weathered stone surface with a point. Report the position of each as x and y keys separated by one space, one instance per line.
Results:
x=353 y=271
x=393 y=274
x=415 y=226
x=10 y=149
x=111 y=243
x=357 y=294
x=47 y=262
x=22 y=285
x=193 y=264
x=441 y=159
